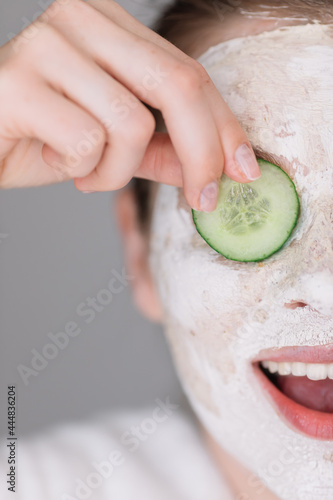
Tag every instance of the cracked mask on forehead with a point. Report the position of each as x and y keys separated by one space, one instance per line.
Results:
x=219 y=313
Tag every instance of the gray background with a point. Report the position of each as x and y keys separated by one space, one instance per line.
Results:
x=60 y=248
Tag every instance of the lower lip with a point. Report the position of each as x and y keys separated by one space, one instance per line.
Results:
x=313 y=423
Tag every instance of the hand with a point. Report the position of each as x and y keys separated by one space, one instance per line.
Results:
x=72 y=88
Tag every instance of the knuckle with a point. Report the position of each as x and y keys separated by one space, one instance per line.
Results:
x=7 y=80
x=147 y=124
x=187 y=79
x=64 y=8
x=15 y=85
x=139 y=128
x=37 y=41
x=55 y=7
x=61 y=12
x=51 y=36
x=30 y=39
x=200 y=70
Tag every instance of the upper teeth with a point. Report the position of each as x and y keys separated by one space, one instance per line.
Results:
x=314 y=371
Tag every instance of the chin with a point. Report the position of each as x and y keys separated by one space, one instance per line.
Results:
x=276 y=424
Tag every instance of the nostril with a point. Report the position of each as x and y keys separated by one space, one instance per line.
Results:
x=294 y=304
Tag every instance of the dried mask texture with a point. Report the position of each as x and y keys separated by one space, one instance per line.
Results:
x=218 y=313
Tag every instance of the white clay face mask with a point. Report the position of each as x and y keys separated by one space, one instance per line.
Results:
x=220 y=314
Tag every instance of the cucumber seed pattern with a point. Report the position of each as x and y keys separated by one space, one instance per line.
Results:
x=243 y=209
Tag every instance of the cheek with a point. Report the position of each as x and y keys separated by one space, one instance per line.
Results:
x=196 y=285
x=203 y=362
x=200 y=295
x=205 y=306
x=207 y=300
x=213 y=299
x=191 y=362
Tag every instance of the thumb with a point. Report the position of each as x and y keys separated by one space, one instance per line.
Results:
x=160 y=162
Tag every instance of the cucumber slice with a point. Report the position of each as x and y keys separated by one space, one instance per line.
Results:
x=251 y=221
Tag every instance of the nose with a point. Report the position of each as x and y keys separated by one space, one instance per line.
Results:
x=311 y=275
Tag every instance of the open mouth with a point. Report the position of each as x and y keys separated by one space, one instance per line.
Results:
x=301 y=392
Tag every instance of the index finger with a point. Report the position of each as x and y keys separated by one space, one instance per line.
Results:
x=236 y=146
x=118 y=14
x=167 y=80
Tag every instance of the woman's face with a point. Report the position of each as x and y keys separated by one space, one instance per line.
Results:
x=222 y=316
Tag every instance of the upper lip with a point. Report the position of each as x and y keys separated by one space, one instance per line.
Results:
x=302 y=354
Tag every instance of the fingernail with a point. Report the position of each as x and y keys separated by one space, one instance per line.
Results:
x=247 y=162
x=208 y=197
x=88 y=192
